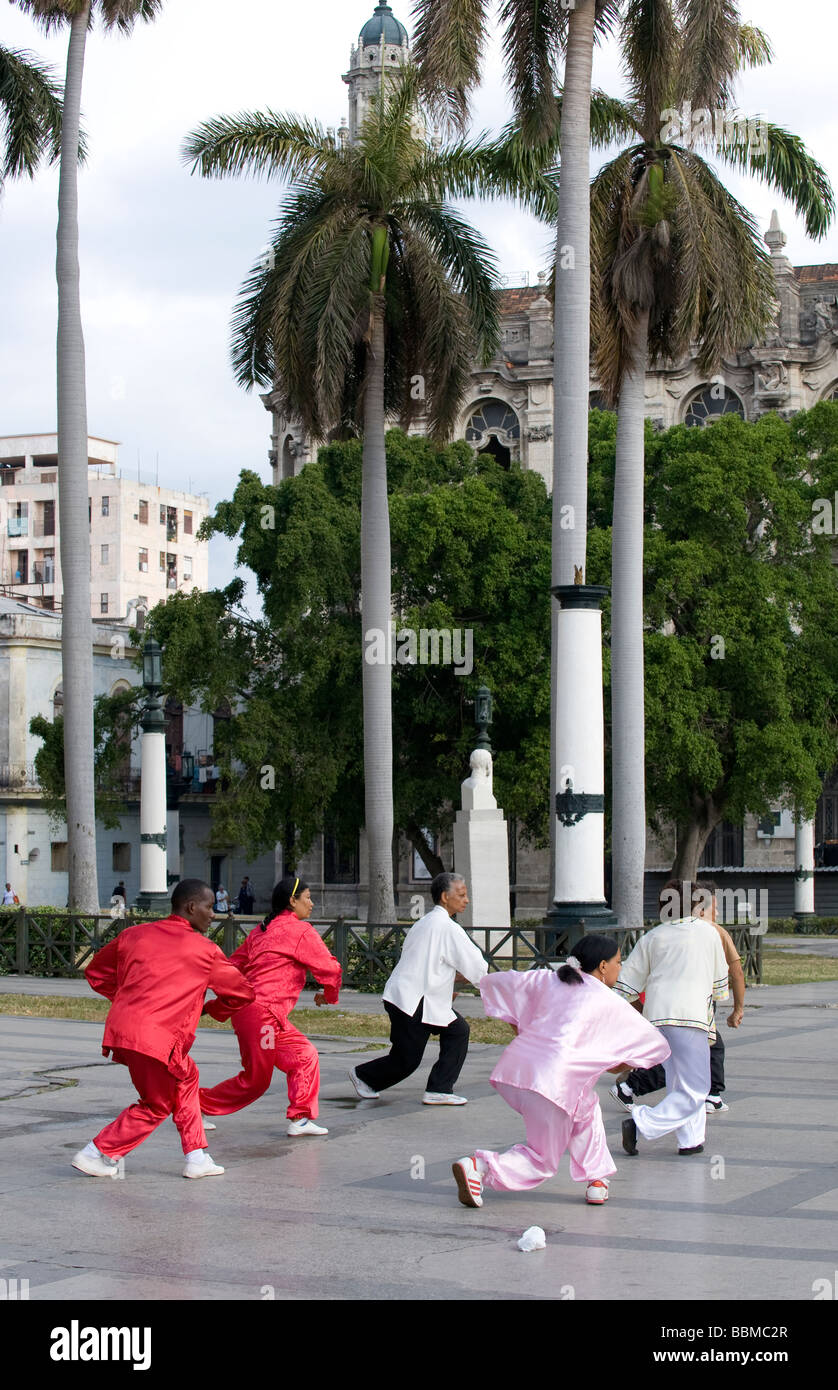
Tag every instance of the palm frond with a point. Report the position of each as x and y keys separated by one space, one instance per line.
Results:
x=54 y=14
x=338 y=294
x=30 y=102
x=532 y=33
x=711 y=51
x=449 y=39
x=124 y=14
x=437 y=323
x=258 y=143
x=466 y=259
x=508 y=167
x=650 y=46
x=780 y=159
x=755 y=49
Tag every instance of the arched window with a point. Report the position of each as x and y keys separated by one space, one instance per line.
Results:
x=494 y=428
x=58 y=703
x=831 y=393
x=710 y=403
x=596 y=401
x=288 y=456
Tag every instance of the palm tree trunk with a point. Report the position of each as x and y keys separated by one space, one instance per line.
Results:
x=76 y=627
x=571 y=350
x=628 y=829
x=376 y=605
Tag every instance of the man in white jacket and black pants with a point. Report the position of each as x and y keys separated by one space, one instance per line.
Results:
x=418 y=997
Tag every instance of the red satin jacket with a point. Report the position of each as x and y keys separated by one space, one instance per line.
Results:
x=276 y=961
x=157 y=975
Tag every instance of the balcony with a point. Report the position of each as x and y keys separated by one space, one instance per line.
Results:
x=18 y=777
x=17 y=526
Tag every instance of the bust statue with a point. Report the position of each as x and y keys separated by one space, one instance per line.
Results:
x=477 y=787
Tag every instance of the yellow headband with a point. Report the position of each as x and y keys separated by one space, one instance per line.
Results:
x=296 y=886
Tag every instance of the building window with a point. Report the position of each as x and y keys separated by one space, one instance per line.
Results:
x=163 y=561
x=494 y=428
x=18 y=523
x=121 y=857
x=20 y=566
x=143 y=514
x=106 y=506
x=162 y=516
x=187 y=566
x=711 y=403
x=187 y=523
x=58 y=703
x=171 y=523
x=103 y=603
x=144 y=561
x=58 y=857
x=725 y=847
x=340 y=863
x=171 y=571
x=103 y=554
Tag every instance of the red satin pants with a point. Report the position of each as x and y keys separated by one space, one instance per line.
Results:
x=161 y=1095
x=264 y=1046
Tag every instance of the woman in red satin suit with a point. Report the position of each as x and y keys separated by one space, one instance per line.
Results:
x=275 y=959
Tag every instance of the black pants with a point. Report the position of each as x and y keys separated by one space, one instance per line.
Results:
x=648 y=1079
x=408 y=1040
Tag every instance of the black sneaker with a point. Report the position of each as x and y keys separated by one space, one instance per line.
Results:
x=630 y=1136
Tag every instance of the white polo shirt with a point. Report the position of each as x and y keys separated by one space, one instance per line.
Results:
x=681 y=966
x=434 y=951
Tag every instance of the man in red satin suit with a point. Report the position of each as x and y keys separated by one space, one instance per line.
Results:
x=157 y=975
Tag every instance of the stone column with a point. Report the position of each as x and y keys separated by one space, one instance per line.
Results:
x=804 y=865
x=579 y=904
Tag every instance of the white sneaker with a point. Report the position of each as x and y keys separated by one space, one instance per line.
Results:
x=714 y=1105
x=442 y=1098
x=364 y=1091
x=469 y=1182
x=618 y=1093
x=208 y=1124
x=97 y=1165
x=202 y=1167
x=304 y=1126
x=597 y=1192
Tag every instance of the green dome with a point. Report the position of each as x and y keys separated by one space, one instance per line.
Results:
x=383 y=22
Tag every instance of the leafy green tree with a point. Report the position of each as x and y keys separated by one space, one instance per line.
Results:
x=375 y=296
x=741 y=642
x=470 y=552
x=76 y=627
x=116 y=719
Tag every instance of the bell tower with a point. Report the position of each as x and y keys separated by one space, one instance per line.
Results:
x=381 y=49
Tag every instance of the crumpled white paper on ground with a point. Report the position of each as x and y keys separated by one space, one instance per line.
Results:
x=532 y=1239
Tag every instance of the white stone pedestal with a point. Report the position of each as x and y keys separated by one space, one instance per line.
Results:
x=481 y=854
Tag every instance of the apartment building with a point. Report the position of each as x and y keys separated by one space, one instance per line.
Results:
x=143 y=538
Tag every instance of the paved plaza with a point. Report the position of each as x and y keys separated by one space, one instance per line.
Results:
x=371 y=1212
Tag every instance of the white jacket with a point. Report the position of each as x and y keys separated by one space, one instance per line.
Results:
x=682 y=968
x=434 y=950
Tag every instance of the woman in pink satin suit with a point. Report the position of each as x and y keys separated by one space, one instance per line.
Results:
x=570 y=1029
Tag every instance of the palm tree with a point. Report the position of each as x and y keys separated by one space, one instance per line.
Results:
x=77 y=626
x=375 y=295
x=450 y=35
x=30 y=103
x=677 y=261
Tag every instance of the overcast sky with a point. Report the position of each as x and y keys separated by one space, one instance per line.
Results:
x=163 y=253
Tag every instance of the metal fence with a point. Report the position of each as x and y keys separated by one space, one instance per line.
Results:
x=63 y=944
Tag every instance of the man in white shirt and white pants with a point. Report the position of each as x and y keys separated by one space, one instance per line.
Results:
x=682 y=969
x=418 y=997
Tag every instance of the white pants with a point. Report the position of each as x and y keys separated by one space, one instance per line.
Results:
x=687 y=1087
